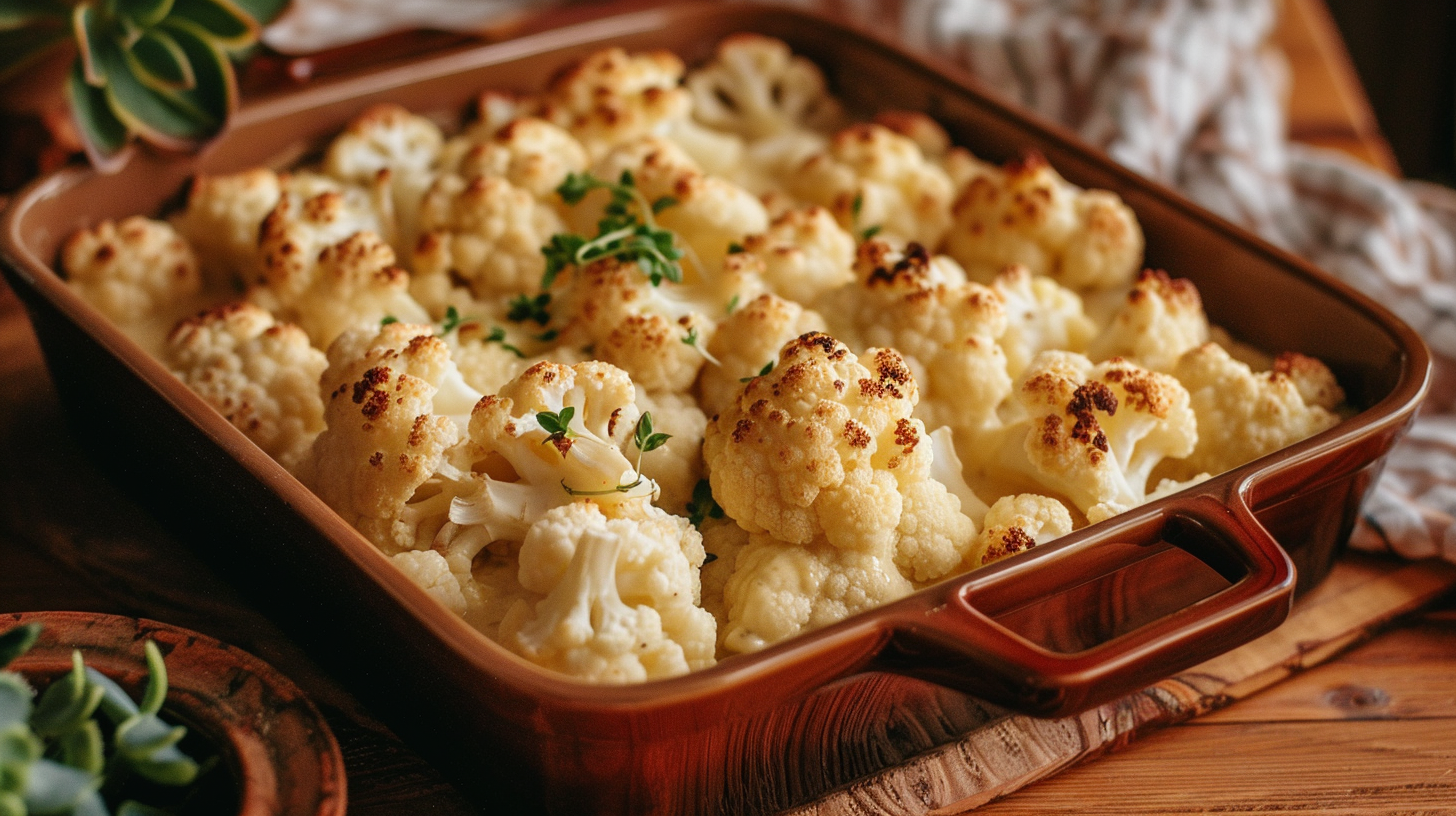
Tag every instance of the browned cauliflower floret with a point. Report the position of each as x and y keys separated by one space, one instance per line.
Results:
x=612 y=97
x=394 y=149
x=1243 y=414
x=946 y=327
x=312 y=214
x=748 y=341
x=805 y=254
x=1091 y=434
x=390 y=402
x=260 y=374
x=354 y=284
x=1015 y=524
x=484 y=232
x=873 y=178
x=1161 y=318
x=221 y=222
x=138 y=272
x=780 y=590
x=653 y=332
x=756 y=87
x=530 y=153
x=1041 y=315
x=823 y=447
x=1027 y=214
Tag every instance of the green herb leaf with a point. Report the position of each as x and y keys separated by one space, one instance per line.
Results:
x=856 y=206
x=702 y=506
x=663 y=203
x=627 y=231
x=870 y=232
x=558 y=428
x=643 y=438
x=767 y=367
x=547 y=336
x=526 y=307
x=387 y=320
x=560 y=253
x=732 y=305
x=17 y=641
x=498 y=335
x=736 y=248
x=452 y=320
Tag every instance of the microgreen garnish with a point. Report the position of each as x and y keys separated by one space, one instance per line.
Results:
x=735 y=248
x=767 y=367
x=732 y=305
x=387 y=319
x=527 y=308
x=558 y=427
x=452 y=320
x=626 y=231
x=703 y=506
x=643 y=438
x=547 y=336
x=854 y=210
x=498 y=335
x=692 y=338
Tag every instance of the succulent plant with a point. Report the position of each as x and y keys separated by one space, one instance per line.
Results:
x=158 y=70
x=53 y=750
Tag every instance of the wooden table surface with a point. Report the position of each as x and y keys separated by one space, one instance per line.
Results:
x=1371 y=731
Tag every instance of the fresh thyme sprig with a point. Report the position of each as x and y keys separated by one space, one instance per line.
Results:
x=868 y=232
x=767 y=367
x=643 y=438
x=558 y=427
x=526 y=308
x=626 y=231
x=692 y=338
x=703 y=506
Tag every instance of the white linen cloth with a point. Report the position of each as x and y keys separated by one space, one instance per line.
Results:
x=1184 y=91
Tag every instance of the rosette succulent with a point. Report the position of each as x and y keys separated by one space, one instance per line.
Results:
x=158 y=70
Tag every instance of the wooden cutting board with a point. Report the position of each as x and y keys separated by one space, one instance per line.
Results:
x=1361 y=595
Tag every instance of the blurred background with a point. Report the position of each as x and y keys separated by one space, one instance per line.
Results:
x=1405 y=54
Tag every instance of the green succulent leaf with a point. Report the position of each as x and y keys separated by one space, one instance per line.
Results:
x=11 y=804
x=87 y=28
x=160 y=63
x=67 y=703
x=134 y=808
x=156 y=693
x=158 y=118
x=116 y=705
x=17 y=641
x=24 y=13
x=144 y=735
x=105 y=135
x=83 y=748
x=57 y=788
x=215 y=90
x=19 y=749
x=15 y=700
x=143 y=14
x=228 y=25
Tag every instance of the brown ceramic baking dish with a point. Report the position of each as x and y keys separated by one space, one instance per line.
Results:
x=1097 y=614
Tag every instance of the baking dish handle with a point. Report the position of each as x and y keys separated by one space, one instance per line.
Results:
x=1173 y=586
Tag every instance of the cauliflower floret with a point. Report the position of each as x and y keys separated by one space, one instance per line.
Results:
x=139 y=272
x=395 y=149
x=926 y=133
x=1041 y=315
x=873 y=178
x=611 y=98
x=805 y=254
x=756 y=87
x=677 y=466
x=221 y=222
x=1161 y=318
x=723 y=540
x=392 y=402
x=1027 y=214
x=780 y=590
x=1093 y=434
x=355 y=284
x=748 y=340
x=1243 y=415
x=523 y=466
x=620 y=593
x=262 y=375
x=312 y=214
x=823 y=447
x=656 y=333
x=1017 y=523
x=530 y=153
x=947 y=329
x=431 y=572
x=485 y=232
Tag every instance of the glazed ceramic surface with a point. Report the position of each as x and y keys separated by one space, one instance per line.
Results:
x=1091 y=616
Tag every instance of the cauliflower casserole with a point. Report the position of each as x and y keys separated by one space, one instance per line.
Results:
x=657 y=366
